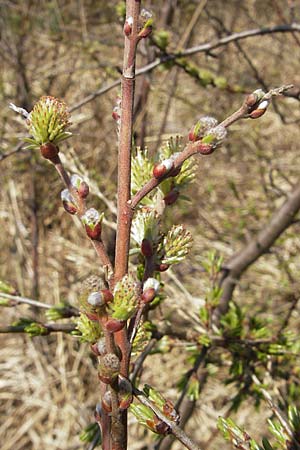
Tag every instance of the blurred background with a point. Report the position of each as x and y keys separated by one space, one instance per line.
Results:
x=73 y=50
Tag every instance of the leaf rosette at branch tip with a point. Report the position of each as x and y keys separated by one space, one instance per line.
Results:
x=146 y=417
x=47 y=123
x=126 y=298
x=175 y=246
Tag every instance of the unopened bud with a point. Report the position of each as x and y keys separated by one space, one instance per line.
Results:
x=175 y=172
x=49 y=151
x=92 y=221
x=68 y=202
x=124 y=392
x=107 y=295
x=162 y=267
x=109 y=368
x=162 y=168
x=205 y=149
x=101 y=346
x=106 y=402
x=201 y=128
x=260 y=110
x=114 y=325
x=115 y=115
x=147 y=248
x=80 y=186
x=171 y=197
x=128 y=26
x=146 y=23
x=148 y=295
x=145 y=32
x=151 y=283
x=96 y=300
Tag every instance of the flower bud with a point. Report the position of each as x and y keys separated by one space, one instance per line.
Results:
x=171 y=197
x=95 y=299
x=254 y=97
x=148 y=295
x=92 y=221
x=147 y=248
x=162 y=267
x=107 y=295
x=80 y=185
x=128 y=26
x=150 y=290
x=68 y=202
x=162 y=168
x=205 y=149
x=174 y=172
x=101 y=347
x=109 y=368
x=114 y=325
x=201 y=128
x=146 y=21
x=106 y=402
x=124 y=392
x=115 y=115
x=260 y=110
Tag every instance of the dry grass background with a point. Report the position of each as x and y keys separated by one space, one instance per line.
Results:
x=68 y=50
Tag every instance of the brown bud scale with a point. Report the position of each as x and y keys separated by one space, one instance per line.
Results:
x=49 y=150
x=171 y=197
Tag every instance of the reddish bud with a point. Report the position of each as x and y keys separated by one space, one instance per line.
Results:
x=257 y=113
x=107 y=295
x=170 y=411
x=145 y=32
x=148 y=295
x=175 y=172
x=162 y=168
x=147 y=248
x=115 y=115
x=205 y=149
x=192 y=135
x=127 y=29
x=162 y=267
x=92 y=316
x=251 y=99
x=70 y=208
x=114 y=325
x=49 y=150
x=158 y=426
x=83 y=190
x=124 y=392
x=106 y=402
x=171 y=197
x=94 y=232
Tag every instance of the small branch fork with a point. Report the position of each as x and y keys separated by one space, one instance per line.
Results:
x=192 y=148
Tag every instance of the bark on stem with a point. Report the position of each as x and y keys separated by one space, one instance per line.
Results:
x=119 y=419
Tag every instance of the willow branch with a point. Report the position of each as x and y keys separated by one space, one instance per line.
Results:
x=174 y=429
x=51 y=328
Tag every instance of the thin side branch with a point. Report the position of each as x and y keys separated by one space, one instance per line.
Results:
x=174 y=429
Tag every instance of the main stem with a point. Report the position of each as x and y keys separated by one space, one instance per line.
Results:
x=125 y=142
x=119 y=419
